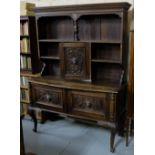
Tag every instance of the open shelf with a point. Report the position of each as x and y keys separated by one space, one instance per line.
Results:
x=55 y=28
x=49 y=50
x=86 y=41
x=102 y=72
x=50 y=57
x=52 y=68
x=105 y=61
x=100 y=27
x=103 y=52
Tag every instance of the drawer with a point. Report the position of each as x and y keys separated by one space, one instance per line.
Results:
x=98 y=106
x=48 y=97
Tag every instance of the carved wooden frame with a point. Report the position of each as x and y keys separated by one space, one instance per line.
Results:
x=75 y=72
x=103 y=97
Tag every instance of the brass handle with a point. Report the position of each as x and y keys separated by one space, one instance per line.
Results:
x=48 y=97
x=88 y=103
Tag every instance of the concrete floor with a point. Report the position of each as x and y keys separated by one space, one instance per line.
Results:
x=68 y=137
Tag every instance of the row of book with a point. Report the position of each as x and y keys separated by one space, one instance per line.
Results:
x=24 y=29
x=24 y=109
x=24 y=81
x=25 y=45
x=25 y=62
x=24 y=95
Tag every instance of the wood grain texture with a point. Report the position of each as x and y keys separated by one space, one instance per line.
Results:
x=84 y=51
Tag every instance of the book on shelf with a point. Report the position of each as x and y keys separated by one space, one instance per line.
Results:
x=24 y=81
x=24 y=95
x=21 y=29
x=24 y=45
x=23 y=62
x=25 y=109
x=21 y=81
x=25 y=28
x=29 y=66
x=21 y=46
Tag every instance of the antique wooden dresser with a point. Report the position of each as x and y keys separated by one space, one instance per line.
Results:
x=84 y=52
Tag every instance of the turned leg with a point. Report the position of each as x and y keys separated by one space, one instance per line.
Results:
x=112 y=139
x=33 y=115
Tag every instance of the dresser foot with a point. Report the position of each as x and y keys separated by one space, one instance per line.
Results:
x=128 y=130
x=112 y=139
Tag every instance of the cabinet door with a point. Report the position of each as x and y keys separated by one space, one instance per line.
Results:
x=90 y=105
x=75 y=61
x=47 y=97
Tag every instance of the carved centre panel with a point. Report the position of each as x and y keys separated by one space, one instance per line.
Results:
x=74 y=61
x=48 y=97
x=89 y=104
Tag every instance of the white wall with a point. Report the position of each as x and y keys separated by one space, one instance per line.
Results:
x=70 y=2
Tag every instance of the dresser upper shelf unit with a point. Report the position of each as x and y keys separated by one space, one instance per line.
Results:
x=84 y=42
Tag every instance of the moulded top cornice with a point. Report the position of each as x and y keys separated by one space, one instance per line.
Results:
x=123 y=5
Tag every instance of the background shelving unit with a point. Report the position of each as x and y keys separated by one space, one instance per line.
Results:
x=30 y=65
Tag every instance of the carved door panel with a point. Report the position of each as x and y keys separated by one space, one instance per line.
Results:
x=89 y=105
x=75 y=60
x=47 y=97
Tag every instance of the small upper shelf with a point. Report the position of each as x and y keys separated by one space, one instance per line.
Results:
x=50 y=57
x=87 y=41
x=105 y=61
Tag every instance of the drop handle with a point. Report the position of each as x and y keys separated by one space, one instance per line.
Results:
x=88 y=103
x=48 y=97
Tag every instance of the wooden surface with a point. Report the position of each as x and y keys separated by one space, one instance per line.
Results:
x=60 y=83
x=84 y=52
x=91 y=7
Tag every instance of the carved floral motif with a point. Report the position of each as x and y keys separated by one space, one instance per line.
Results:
x=90 y=104
x=48 y=97
x=74 y=58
